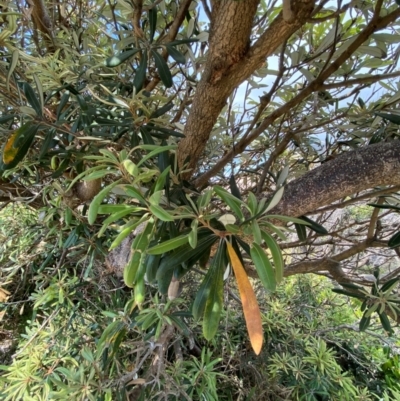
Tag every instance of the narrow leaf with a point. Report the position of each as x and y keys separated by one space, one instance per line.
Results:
x=251 y=309
x=162 y=69
x=94 y=205
x=263 y=266
x=160 y=213
x=169 y=245
x=115 y=61
x=276 y=255
x=394 y=241
x=233 y=202
x=140 y=73
x=176 y=55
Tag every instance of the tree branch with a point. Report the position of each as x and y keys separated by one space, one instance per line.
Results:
x=374 y=25
x=347 y=174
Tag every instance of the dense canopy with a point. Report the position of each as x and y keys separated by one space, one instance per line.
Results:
x=203 y=150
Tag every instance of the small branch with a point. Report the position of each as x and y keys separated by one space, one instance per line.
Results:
x=137 y=14
x=368 y=195
x=364 y=80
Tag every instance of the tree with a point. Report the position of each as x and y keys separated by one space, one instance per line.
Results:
x=144 y=122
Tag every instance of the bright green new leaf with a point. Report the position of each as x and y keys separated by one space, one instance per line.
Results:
x=161 y=213
x=276 y=255
x=95 y=204
x=169 y=245
x=263 y=266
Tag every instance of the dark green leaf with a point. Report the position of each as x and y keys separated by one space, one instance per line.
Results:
x=115 y=61
x=385 y=322
x=181 y=41
x=140 y=73
x=394 y=118
x=152 y=263
x=214 y=273
x=348 y=293
x=162 y=110
x=176 y=55
x=214 y=303
x=186 y=253
x=4 y=119
x=153 y=22
x=301 y=231
x=384 y=206
x=364 y=322
x=388 y=284
x=315 y=226
x=63 y=101
x=162 y=69
x=32 y=99
x=394 y=241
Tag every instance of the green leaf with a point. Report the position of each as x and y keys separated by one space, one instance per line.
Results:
x=255 y=229
x=348 y=293
x=111 y=219
x=32 y=99
x=214 y=302
x=115 y=61
x=153 y=22
x=156 y=151
x=159 y=185
x=385 y=322
x=276 y=255
x=152 y=263
x=11 y=68
x=161 y=111
x=231 y=200
x=394 y=118
x=138 y=257
x=301 y=231
x=389 y=285
x=181 y=41
x=394 y=241
x=127 y=229
x=162 y=69
x=364 y=322
x=252 y=203
x=160 y=213
x=140 y=73
x=275 y=199
x=134 y=193
x=169 y=245
x=315 y=226
x=263 y=266
x=95 y=204
x=107 y=209
x=18 y=145
x=384 y=206
x=214 y=273
x=186 y=254
x=193 y=234
x=176 y=55
x=131 y=167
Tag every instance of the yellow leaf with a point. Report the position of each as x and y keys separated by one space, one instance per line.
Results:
x=10 y=152
x=251 y=310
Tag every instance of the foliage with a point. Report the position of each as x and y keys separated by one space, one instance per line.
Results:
x=162 y=128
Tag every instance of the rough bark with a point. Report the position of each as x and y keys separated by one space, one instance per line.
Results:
x=230 y=61
x=349 y=173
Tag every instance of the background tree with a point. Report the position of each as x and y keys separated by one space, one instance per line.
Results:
x=168 y=136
